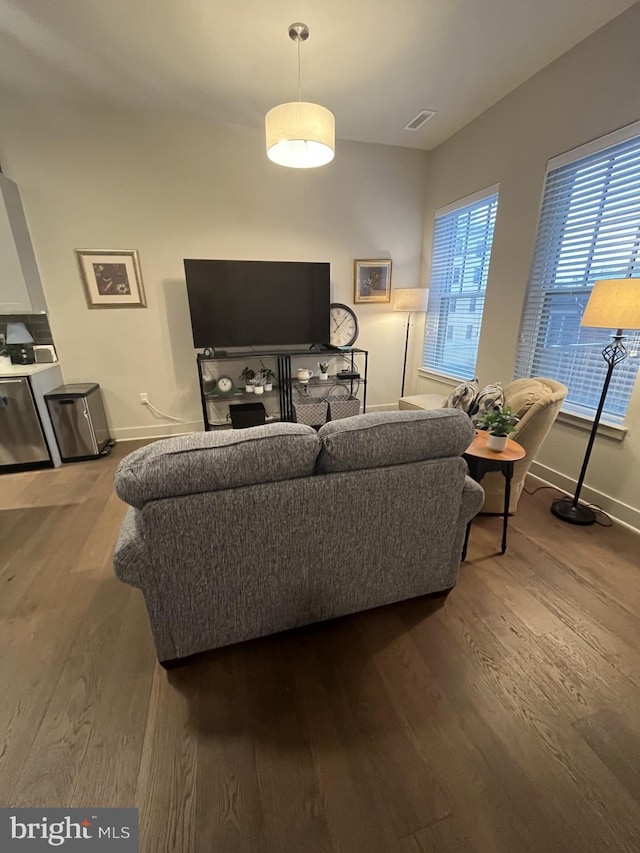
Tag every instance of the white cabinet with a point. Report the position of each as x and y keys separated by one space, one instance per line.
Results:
x=20 y=285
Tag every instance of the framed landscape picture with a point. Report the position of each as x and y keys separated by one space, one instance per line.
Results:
x=111 y=278
x=372 y=281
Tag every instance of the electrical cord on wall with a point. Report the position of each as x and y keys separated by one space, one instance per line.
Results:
x=598 y=510
x=158 y=411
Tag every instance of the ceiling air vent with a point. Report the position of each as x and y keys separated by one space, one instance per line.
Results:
x=418 y=120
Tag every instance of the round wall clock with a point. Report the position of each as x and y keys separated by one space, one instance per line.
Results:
x=344 y=325
x=225 y=385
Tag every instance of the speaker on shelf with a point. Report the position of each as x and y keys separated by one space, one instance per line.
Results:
x=245 y=415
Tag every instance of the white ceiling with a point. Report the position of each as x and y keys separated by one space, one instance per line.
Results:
x=374 y=63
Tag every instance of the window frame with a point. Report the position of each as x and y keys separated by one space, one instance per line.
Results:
x=572 y=412
x=453 y=297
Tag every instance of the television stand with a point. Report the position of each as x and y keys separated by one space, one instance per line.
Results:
x=284 y=364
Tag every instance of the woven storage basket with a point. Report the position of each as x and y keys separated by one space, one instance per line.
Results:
x=312 y=411
x=342 y=403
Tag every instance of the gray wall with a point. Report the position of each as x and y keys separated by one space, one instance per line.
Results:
x=588 y=92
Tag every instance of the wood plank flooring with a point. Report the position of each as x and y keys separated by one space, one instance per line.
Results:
x=503 y=718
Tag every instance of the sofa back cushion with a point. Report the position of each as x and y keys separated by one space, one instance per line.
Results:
x=392 y=438
x=210 y=461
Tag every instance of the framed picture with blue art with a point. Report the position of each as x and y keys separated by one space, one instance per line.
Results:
x=372 y=281
x=111 y=278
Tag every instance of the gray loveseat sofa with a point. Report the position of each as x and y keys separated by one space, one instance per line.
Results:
x=238 y=534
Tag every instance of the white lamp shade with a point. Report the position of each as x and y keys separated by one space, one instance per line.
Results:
x=411 y=299
x=300 y=135
x=17 y=333
x=614 y=304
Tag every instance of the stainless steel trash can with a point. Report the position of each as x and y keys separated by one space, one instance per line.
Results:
x=79 y=422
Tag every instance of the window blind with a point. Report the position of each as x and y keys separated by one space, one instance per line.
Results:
x=462 y=240
x=589 y=229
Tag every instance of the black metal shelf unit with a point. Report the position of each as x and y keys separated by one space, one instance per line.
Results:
x=278 y=402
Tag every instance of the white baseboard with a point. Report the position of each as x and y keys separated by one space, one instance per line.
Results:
x=383 y=407
x=624 y=514
x=156 y=431
x=168 y=430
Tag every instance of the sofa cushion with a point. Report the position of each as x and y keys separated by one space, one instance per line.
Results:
x=210 y=461
x=392 y=438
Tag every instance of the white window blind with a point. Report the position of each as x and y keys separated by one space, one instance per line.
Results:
x=462 y=240
x=589 y=229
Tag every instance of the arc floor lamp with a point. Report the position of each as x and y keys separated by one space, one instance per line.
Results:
x=613 y=304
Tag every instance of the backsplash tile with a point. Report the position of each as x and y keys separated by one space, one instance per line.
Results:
x=37 y=324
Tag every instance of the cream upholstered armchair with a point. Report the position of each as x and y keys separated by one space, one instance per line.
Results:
x=536 y=402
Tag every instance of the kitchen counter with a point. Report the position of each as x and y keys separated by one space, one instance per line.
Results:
x=26 y=369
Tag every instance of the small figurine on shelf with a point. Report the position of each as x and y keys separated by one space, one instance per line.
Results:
x=248 y=377
x=324 y=370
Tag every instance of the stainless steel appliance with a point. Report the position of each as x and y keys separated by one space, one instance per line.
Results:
x=79 y=421
x=22 y=440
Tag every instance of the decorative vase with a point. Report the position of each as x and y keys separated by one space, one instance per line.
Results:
x=324 y=376
x=304 y=375
x=497 y=442
x=258 y=389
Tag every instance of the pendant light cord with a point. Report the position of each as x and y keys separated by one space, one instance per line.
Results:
x=299 y=84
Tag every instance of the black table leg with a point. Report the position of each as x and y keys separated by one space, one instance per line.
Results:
x=466 y=541
x=476 y=473
x=507 y=472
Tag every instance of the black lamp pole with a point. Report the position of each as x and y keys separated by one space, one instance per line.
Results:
x=566 y=508
x=406 y=348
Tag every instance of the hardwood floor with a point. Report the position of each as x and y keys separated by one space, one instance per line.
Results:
x=503 y=718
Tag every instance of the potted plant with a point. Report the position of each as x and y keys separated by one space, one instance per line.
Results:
x=248 y=377
x=500 y=422
x=324 y=370
x=268 y=375
x=258 y=383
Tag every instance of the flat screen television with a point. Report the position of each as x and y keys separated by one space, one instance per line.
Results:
x=258 y=303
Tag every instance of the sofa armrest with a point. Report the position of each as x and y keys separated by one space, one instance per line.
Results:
x=131 y=558
x=472 y=500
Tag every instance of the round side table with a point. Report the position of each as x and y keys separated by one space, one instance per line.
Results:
x=481 y=460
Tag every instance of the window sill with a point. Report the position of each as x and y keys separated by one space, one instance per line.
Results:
x=617 y=433
x=450 y=381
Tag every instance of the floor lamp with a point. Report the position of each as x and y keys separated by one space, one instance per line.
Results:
x=412 y=300
x=613 y=304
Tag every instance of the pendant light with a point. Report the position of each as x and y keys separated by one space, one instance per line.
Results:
x=300 y=135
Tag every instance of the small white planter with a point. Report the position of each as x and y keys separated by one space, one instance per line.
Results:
x=258 y=389
x=497 y=442
x=249 y=389
x=324 y=376
x=268 y=386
